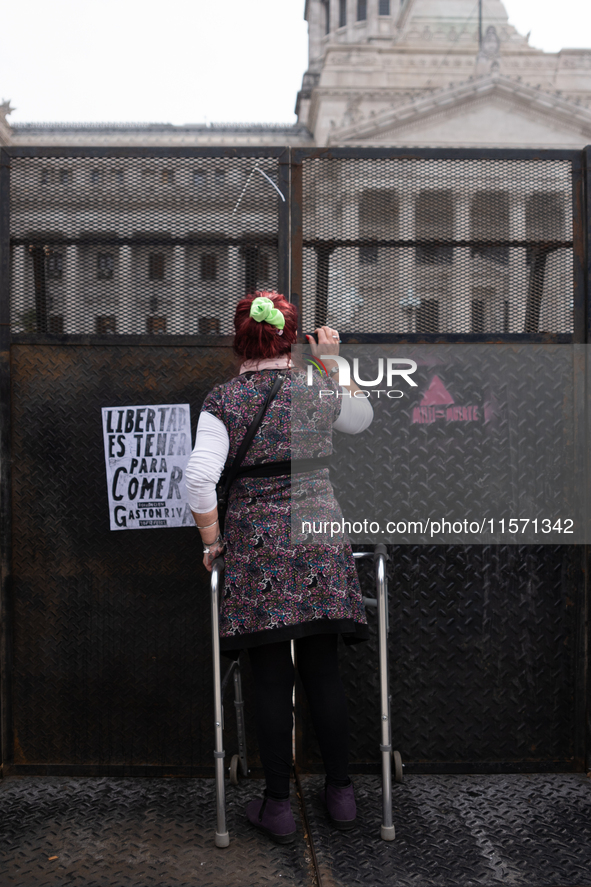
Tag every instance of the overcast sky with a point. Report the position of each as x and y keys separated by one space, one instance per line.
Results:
x=188 y=61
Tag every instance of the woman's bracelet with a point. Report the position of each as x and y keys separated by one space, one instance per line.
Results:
x=208 y=525
x=217 y=541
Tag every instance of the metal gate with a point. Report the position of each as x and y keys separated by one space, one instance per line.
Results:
x=118 y=270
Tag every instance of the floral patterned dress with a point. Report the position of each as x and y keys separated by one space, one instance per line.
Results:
x=280 y=583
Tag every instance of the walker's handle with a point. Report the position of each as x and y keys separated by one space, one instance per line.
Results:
x=382 y=550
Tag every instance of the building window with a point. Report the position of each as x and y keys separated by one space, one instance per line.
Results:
x=379 y=212
x=95 y=177
x=361 y=10
x=156 y=326
x=106 y=325
x=434 y=221
x=56 y=324
x=489 y=219
x=209 y=266
x=199 y=178
x=384 y=8
x=326 y=16
x=378 y=220
x=119 y=177
x=498 y=254
x=368 y=255
x=167 y=176
x=544 y=218
x=65 y=176
x=263 y=266
x=220 y=177
x=45 y=177
x=105 y=265
x=156 y=266
x=477 y=316
x=342 y=13
x=209 y=326
x=55 y=266
x=428 y=316
x=434 y=254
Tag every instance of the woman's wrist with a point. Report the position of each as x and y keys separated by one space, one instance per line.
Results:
x=208 y=525
x=210 y=547
x=209 y=536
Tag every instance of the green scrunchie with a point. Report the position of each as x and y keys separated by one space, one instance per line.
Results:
x=262 y=308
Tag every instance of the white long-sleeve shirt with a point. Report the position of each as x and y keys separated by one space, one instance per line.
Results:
x=212 y=445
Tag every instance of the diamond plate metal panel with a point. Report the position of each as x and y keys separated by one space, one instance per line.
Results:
x=483 y=659
x=530 y=831
x=111 y=661
x=488 y=433
x=102 y=832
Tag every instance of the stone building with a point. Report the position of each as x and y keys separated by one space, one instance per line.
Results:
x=414 y=73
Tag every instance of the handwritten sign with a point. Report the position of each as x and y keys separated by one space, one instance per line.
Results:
x=146 y=453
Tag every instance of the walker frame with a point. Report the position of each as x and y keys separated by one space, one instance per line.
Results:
x=390 y=759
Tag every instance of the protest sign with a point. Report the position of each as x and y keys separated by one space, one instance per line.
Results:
x=146 y=453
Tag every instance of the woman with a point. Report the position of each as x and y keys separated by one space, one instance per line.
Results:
x=277 y=588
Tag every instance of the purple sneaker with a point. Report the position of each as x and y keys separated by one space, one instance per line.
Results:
x=340 y=803
x=273 y=817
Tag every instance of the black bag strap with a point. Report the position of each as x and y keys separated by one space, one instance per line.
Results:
x=248 y=437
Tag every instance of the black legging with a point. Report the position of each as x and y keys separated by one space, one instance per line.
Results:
x=273 y=672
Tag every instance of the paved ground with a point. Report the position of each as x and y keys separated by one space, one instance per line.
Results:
x=525 y=830
x=460 y=831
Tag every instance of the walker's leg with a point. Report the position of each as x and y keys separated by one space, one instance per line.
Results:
x=222 y=838
x=387 y=830
x=240 y=725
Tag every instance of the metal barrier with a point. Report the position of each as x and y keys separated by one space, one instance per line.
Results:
x=111 y=266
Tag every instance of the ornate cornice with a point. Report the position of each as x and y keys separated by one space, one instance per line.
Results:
x=440 y=102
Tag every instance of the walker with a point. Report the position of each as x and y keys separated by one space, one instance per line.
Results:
x=391 y=760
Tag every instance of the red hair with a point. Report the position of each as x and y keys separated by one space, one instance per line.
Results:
x=256 y=340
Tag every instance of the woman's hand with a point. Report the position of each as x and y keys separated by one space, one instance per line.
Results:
x=328 y=341
x=209 y=528
x=215 y=550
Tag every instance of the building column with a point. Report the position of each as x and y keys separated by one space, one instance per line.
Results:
x=351 y=19
x=334 y=15
x=518 y=276
x=77 y=317
x=127 y=310
x=175 y=322
x=234 y=290
x=18 y=296
x=457 y=311
x=404 y=309
x=316 y=32
x=372 y=18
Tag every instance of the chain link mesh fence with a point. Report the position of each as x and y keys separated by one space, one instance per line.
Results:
x=437 y=246
x=140 y=245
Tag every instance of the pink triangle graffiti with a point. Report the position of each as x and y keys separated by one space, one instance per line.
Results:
x=436 y=393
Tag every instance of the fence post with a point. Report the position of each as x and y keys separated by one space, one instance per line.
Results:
x=297 y=248
x=5 y=474
x=284 y=253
